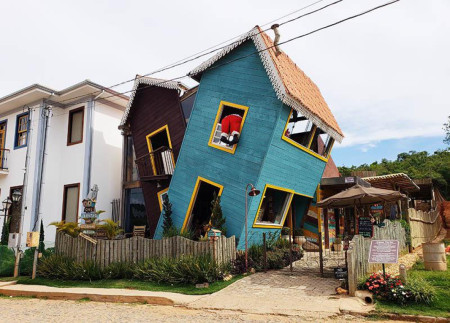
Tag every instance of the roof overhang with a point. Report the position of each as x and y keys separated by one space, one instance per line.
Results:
x=74 y=94
x=399 y=181
x=149 y=82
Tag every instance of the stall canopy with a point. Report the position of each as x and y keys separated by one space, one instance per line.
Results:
x=359 y=195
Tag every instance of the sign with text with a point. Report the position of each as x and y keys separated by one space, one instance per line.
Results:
x=383 y=251
x=365 y=226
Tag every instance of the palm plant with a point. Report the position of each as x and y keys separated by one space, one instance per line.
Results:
x=70 y=228
x=111 y=228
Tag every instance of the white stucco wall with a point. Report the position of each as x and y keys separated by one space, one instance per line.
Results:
x=65 y=164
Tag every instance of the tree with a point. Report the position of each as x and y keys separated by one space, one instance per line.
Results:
x=217 y=219
x=5 y=232
x=447 y=131
x=167 y=216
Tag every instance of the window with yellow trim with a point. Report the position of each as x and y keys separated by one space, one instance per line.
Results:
x=160 y=149
x=273 y=207
x=227 y=127
x=321 y=143
x=161 y=196
x=299 y=129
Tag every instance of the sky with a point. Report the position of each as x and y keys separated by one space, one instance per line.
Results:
x=385 y=75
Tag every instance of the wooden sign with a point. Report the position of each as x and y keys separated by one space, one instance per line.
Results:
x=88 y=238
x=365 y=226
x=383 y=251
x=87 y=226
x=32 y=239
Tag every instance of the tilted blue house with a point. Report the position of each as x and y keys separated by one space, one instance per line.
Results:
x=286 y=133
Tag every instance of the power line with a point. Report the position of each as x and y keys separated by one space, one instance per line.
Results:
x=281 y=43
x=203 y=53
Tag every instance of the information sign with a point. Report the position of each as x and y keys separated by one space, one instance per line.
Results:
x=383 y=251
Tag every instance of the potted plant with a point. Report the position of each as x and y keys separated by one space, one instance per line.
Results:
x=299 y=238
x=337 y=245
x=285 y=233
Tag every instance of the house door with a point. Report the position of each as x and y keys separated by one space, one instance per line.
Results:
x=2 y=142
x=199 y=213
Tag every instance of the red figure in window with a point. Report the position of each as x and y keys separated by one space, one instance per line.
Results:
x=231 y=125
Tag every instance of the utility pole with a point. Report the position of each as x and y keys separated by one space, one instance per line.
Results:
x=45 y=113
x=24 y=194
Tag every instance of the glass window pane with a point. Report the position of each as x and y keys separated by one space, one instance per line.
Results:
x=76 y=134
x=71 y=214
x=321 y=143
x=299 y=128
x=273 y=206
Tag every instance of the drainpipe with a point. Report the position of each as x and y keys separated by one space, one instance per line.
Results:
x=277 y=39
x=88 y=145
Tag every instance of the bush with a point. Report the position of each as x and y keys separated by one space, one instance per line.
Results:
x=7 y=260
x=278 y=256
x=186 y=270
x=393 y=290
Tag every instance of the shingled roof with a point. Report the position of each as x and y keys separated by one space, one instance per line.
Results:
x=292 y=85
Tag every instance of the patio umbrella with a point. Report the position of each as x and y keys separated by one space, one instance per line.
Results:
x=358 y=195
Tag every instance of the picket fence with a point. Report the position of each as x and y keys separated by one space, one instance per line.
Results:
x=137 y=249
x=425 y=226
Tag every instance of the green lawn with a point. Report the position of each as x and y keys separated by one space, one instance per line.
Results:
x=129 y=284
x=440 y=307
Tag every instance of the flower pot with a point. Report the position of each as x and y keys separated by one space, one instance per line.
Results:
x=300 y=240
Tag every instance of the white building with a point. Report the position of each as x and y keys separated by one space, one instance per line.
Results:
x=76 y=146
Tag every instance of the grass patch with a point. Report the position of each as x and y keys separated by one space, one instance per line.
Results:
x=440 y=280
x=131 y=284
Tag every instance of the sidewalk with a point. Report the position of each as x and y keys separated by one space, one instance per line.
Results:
x=99 y=294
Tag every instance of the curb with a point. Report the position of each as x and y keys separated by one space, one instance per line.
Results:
x=402 y=317
x=152 y=300
x=4 y=284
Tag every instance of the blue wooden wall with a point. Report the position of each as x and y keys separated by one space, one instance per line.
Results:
x=261 y=157
x=243 y=82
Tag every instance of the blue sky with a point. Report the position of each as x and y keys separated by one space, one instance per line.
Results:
x=389 y=149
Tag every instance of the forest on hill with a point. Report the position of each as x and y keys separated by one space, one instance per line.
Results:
x=416 y=165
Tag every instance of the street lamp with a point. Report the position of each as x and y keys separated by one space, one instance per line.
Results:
x=6 y=204
x=16 y=196
x=253 y=192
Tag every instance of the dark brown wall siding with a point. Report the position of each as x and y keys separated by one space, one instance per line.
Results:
x=154 y=107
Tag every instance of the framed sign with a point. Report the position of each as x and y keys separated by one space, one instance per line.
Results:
x=383 y=251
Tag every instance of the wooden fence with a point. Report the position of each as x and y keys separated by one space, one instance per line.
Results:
x=358 y=252
x=137 y=249
x=425 y=226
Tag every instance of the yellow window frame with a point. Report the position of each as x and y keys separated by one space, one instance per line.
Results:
x=160 y=193
x=150 y=148
x=194 y=197
x=306 y=149
x=218 y=115
x=256 y=224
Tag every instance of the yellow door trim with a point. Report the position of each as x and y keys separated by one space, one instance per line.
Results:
x=194 y=197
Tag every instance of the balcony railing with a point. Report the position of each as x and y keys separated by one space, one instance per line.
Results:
x=4 y=155
x=158 y=164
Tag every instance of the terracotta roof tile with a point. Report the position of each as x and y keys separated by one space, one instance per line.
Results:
x=300 y=86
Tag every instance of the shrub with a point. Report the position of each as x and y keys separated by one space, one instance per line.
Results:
x=285 y=231
x=111 y=228
x=7 y=260
x=69 y=228
x=392 y=289
x=217 y=219
x=168 y=227
x=278 y=256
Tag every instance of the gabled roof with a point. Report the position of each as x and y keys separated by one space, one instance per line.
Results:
x=291 y=84
x=150 y=81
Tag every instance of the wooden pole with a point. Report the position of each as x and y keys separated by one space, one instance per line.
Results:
x=265 y=252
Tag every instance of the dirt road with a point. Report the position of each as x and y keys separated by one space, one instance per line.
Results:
x=35 y=310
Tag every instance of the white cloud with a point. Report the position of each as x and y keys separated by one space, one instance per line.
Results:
x=385 y=75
